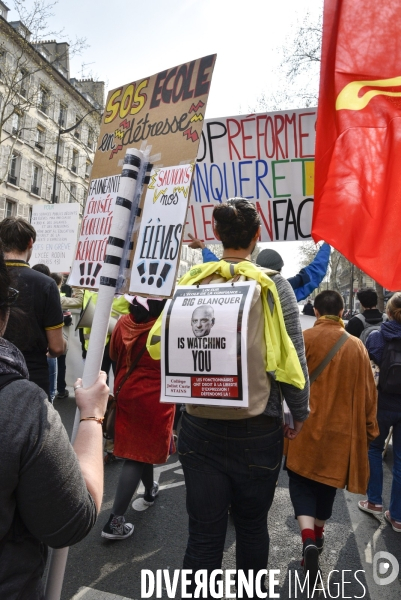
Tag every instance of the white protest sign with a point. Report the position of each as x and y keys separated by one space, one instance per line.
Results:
x=203 y=359
x=157 y=251
x=94 y=234
x=56 y=227
x=268 y=158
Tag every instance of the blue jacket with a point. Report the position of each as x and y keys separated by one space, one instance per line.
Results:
x=375 y=343
x=307 y=279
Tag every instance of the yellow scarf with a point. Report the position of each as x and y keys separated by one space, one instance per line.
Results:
x=281 y=358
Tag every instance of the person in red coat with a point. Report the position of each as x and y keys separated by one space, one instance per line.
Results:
x=143 y=428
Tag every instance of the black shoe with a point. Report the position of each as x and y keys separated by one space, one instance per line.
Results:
x=311 y=565
x=62 y=395
x=150 y=495
x=117 y=529
x=320 y=543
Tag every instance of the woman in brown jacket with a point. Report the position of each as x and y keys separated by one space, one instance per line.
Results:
x=332 y=449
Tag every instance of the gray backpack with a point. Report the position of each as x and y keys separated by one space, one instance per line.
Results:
x=369 y=327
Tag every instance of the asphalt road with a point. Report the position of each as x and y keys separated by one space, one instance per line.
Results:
x=98 y=569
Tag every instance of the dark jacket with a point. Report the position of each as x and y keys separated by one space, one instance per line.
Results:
x=43 y=496
x=355 y=325
x=375 y=344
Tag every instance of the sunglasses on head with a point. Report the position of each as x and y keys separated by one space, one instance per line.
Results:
x=11 y=298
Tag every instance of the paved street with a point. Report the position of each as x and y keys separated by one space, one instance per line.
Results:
x=103 y=570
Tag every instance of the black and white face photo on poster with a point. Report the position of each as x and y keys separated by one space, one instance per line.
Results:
x=202 y=332
x=202 y=320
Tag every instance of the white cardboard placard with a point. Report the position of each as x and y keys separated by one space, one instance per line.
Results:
x=56 y=228
x=157 y=251
x=204 y=345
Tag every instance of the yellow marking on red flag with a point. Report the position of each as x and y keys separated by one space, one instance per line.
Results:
x=349 y=98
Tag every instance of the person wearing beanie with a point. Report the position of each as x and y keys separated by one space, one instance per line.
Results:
x=303 y=284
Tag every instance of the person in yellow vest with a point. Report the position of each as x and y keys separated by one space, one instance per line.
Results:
x=232 y=456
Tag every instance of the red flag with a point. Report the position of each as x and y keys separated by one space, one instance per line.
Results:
x=358 y=136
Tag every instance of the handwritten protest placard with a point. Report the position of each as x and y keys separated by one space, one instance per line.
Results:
x=56 y=228
x=157 y=253
x=94 y=234
x=204 y=360
x=164 y=111
x=267 y=158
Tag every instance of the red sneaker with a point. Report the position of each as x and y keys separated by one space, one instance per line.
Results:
x=396 y=525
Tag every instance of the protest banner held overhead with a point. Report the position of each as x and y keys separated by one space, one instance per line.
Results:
x=157 y=253
x=56 y=227
x=164 y=112
x=204 y=360
x=267 y=158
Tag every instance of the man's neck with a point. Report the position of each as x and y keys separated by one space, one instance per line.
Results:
x=241 y=254
x=16 y=256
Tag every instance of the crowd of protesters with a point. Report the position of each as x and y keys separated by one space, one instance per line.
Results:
x=50 y=493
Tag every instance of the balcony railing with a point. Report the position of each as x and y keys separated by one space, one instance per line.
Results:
x=40 y=146
x=74 y=168
x=35 y=190
x=12 y=179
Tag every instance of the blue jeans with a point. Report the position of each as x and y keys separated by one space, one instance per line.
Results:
x=229 y=463
x=52 y=364
x=386 y=419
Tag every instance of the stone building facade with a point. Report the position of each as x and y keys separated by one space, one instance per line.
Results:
x=38 y=99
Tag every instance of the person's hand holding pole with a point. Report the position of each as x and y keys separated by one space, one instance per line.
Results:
x=88 y=444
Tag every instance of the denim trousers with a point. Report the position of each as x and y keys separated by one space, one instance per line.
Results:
x=386 y=419
x=229 y=463
x=52 y=364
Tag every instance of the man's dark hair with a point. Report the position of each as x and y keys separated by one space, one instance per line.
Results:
x=236 y=222
x=42 y=269
x=367 y=297
x=58 y=278
x=16 y=233
x=329 y=302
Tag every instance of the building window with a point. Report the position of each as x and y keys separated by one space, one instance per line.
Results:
x=36 y=180
x=15 y=163
x=43 y=103
x=77 y=131
x=91 y=138
x=88 y=169
x=74 y=164
x=62 y=116
x=11 y=208
x=73 y=192
x=23 y=83
x=16 y=124
x=40 y=139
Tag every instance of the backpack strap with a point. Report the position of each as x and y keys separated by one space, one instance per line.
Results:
x=362 y=318
x=331 y=354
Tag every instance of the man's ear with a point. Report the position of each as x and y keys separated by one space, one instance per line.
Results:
x=30 y=244
x=317 y=315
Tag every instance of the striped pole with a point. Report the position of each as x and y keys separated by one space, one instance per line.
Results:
x=129 y=193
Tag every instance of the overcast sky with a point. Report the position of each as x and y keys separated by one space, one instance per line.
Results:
x=129 y=40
